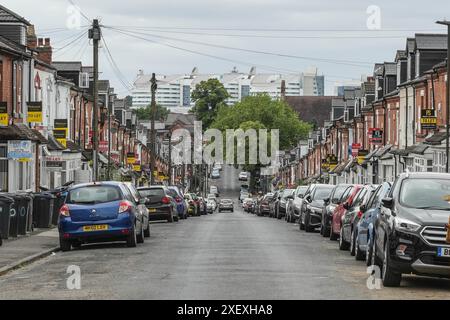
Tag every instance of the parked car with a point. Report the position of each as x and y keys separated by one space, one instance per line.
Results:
x=273 y=205
x=176 y=194
x=412 y=233
x=341 y=209
x=202 y=202
x=248 y=204
x=336 y=198
x=211 y=206
x=308 y=192
x=364 y=231
x=315 y=205
x=296 y=203
x=139 y=199
x=98 y=212
x=243 y=176
x=217 y=166
x=160 y=204
x=226 y=204
x=263 y=205
x=351 y=218
x=283 y=203
x=215 y=174
x=212 y=196
x=243 y=194
x=193 y=204
x=214 y=190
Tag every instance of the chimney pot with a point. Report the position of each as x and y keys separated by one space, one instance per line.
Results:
x=40 y=42
x=47 y=42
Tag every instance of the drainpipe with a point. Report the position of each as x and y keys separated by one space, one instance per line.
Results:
x=385 y=115
x=414 y=113
x=406 y=118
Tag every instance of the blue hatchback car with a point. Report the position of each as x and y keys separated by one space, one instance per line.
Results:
x=178 y=196
x=98 y=212
x=366 y=223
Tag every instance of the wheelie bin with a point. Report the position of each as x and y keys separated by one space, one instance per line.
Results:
x=5 y=208
x=43 y=209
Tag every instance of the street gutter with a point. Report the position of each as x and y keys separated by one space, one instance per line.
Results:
x=27 y=260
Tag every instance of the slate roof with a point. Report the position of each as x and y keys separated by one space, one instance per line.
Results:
x=18 y=132
x=67 y=65
x=390 y=68
x=9 y=16
x=312 y=109
x=400 y=55
x=427 y=41
x=54 y=144
x=11 y=46
x=436 y=139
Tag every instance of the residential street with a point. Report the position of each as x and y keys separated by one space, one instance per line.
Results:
x=220 y=256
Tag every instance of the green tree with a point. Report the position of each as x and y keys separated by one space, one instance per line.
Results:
x=146 y=113
x=263 y=111
x=209 y=96
x=128 y=101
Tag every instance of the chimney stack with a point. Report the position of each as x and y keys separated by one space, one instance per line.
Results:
x=31 y=38
x=283 y=89
x=44 y=50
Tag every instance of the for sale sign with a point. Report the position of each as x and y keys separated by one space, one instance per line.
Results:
x=428 y=119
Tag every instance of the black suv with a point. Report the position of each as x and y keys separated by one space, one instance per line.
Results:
x=160 y=204
x=411 y=231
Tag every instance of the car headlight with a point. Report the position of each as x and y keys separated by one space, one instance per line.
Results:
x=405 y=225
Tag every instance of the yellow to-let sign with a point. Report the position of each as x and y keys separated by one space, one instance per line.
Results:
x=4 y=119
x=428 y=120
x=136 y=167
x=63 y=142
x=34 y=116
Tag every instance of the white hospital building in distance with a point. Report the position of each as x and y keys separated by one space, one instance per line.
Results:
x=174 y=91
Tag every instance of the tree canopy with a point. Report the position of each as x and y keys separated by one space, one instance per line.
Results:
x=263 y=112
x=209 y=96
x=146 y=113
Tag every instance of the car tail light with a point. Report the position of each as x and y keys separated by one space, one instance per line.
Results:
x=124 y=206
x=178 y=199
x=64 y=211
x=191 y=202
x=165 y=200
x=360 y=214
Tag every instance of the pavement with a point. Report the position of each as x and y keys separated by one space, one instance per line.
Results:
x=219 y=256
x=16 y=252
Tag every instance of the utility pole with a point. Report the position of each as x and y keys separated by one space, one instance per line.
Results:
x=447 y=120
x=170 y=157
x=95 y=35
x=152 y=128
x=109 y=138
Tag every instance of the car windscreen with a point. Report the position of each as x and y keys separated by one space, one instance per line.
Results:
x=93 y=195
x=426 y=193
x=321 y=193
x=226 y=201
x=288 y=192
x=152 y=192
x=338 y=192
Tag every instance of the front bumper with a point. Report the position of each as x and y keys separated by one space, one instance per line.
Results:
x=419 y=257
x=315 y=218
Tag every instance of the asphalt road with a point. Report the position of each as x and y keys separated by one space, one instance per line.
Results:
x=219 y=256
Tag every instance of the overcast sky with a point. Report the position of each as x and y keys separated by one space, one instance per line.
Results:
x=261 y=25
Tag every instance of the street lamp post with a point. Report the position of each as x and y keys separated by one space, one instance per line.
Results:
x=447 y=120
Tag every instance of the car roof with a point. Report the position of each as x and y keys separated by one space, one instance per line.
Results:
x=153 y=187
x=431 y=175
x=102 y=183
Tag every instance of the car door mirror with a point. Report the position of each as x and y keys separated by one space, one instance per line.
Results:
x=143 y=201
x=326 y=200
x=387 y=202
x=346 y=206
x=291 y=197
x=309 y=199
x=362 y=208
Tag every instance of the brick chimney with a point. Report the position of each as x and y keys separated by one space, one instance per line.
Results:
x=44 y=50
x=31 y=38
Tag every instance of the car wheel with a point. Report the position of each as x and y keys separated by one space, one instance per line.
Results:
x=308 y=227
x=389 y=276
x=343 y=245
x=359 y=254
x=300 y=222
x=131 y=239
x=65 y=245
x=147 y=231
x=140 y=236
x=170 y=219
x=333 y=236
x=176 y=218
